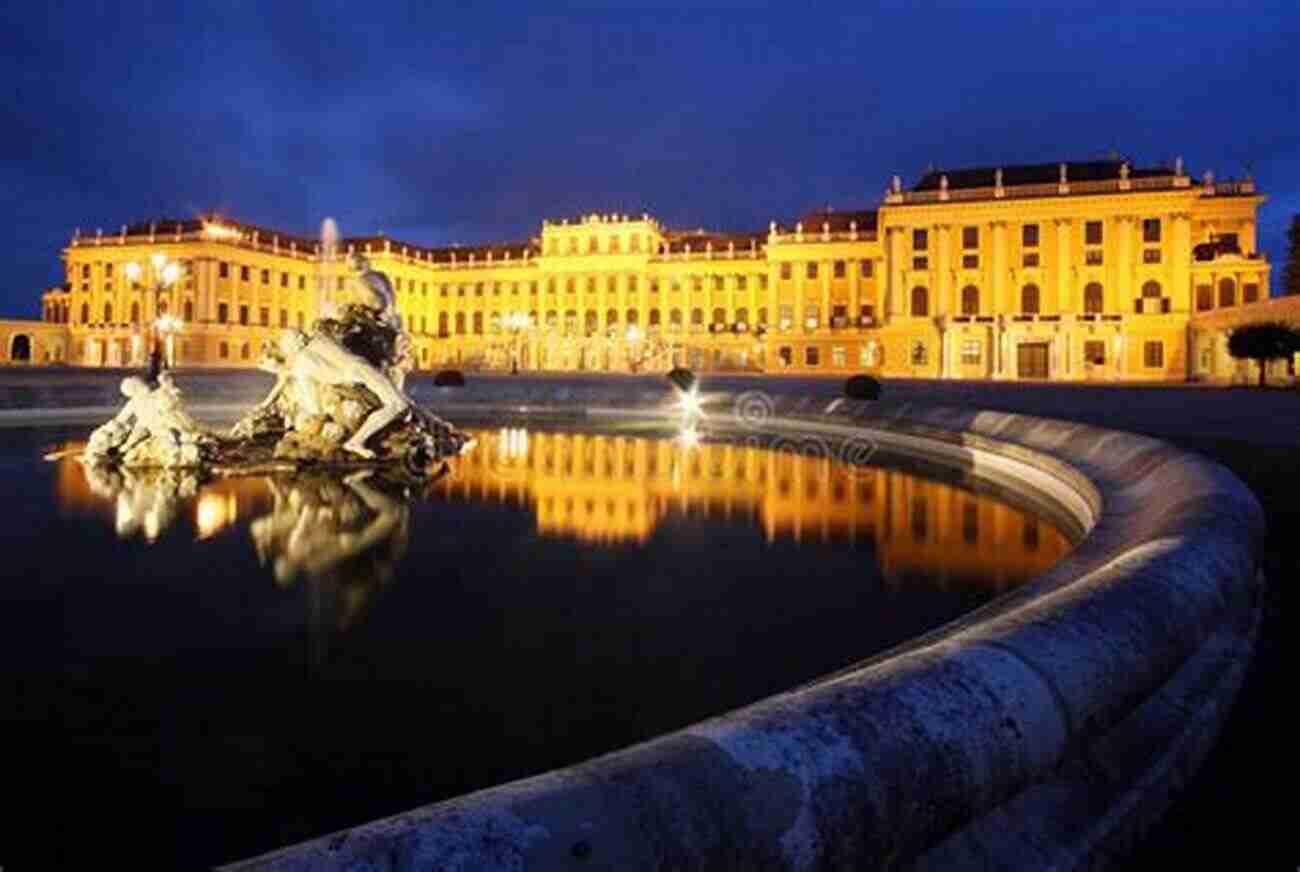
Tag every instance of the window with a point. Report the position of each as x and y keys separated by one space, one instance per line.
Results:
x=920 y=354
x=1029 y=300
x=1029 y=236
x=284 y=280
x=266 y=276
x=614 y=246
x=1151 y=290
x=302 y=283
x=135 y=313
x=812 y=317
x=243 y=315
x=264 y=316
x=284 y=318
x=838 y=269
x=1204 y=298
x=864 y=269
x=1151 y=230
x=811 y=270
x=635 y=243
x=786 y=313
x=920 y=239
x=245 y=351
x=631 y=284
x=839 y=359
x=108 y=314
x=866 y=314
x=920 y=263
x=1093 y=257
x=970 y=351
x=1030 y=258
x=189 y=310
x=631 y=316
x=1153 y=354
x=611 y=285
x=1151 y=255
x=1093 y=299
x=970 y=300
x=1092 y=233
x=970 y=261
x=573 y=245
x=1227 y=293
x=785 y=354
x=593 y=245
x=243 y=274
x=224 y=350
x=223 y=270
x=570 y=286
x=742 y=283
x=478 y=323
x=1094 y=352
x=223 y=313
x=920 y=302
x=811 y=356
x=970 y=237
x=785 y=272
x=1249 y=293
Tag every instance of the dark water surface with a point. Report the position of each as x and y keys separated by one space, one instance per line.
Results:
x=195 y=673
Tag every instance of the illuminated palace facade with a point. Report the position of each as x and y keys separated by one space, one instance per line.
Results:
x=1078 y=271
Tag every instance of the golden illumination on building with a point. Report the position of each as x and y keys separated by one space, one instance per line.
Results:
x=1082 y=271
x=619 y=489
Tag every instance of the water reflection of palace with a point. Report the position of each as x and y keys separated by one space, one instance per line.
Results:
x=615 y=489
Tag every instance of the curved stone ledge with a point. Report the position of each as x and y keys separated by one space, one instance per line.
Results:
x=1046 y=729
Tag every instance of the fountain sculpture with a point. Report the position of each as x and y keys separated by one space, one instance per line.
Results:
x=339 y=400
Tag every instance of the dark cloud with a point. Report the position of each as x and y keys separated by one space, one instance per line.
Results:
x=439 y=122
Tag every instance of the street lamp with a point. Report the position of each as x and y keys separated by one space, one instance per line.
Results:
x=516 y=323
x=160 y=275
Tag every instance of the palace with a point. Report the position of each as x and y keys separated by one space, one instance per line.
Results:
x=1075 y=271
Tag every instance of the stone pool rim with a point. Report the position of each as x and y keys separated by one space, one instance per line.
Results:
x=1050 y=727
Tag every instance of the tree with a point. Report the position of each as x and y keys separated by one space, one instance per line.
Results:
x=1291 y=275
x=1262 y=342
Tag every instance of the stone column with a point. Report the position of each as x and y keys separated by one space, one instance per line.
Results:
x=824 y=270
x=1000 y=301
x=855 y=290
x=1124 y=262
x=894 y=291
x=1183 y=294
x=943 y=304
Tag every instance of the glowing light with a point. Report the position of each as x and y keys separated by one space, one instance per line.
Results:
x=221 y=231
x=158 y=261
x=688 y=437
x=213 y=513
x=168 y=324
x=133 y=271
x=690 y=403
x=633 y=334
x=171 y=272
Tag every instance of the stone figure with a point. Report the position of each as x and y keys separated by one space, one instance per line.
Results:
x=152 y=429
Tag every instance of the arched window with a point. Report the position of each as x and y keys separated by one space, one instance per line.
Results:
x=135 y=313
x=245 y=351
x=478 y=323
x=442 y=324
x=1093 y=299
x=1151 y=290
x=970 y=300
x=611 y=318
x=742 y=316
x=920 y=302
x=460 y=323
x=719 y=316
x=675 y=318
x=108 y=313
x=1227 y=292
x=592 y=321
x=224 y=350
x=654 y=313
x=85 y=313
x=632 y=316
x=1029 y=300
x=571 y=321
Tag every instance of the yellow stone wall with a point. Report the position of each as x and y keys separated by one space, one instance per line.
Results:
x=829 y=299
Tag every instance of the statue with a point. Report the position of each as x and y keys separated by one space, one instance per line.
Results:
x=339 y=398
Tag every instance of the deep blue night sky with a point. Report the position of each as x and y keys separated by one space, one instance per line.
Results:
x=440 y=124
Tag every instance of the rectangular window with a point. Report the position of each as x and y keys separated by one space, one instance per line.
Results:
x=243 y=273
x=810 y=356
x=264 y=316
x=787 y=317
x=865 y=314
x=1204 y=297
x=284 y=280
x=970 y=237
x=970 y=351
x=1151 y=230
x=864 y=269
x=266 y=276
x=1029 y=236
x=742 y=282
x=785 y=272
x=223 y=313
x=811 y=270
x=970 y=261
x=243 y=315
x=1249 y=293
x=920 y=239
x=1093 y=257
x=1153 y=355
x=839 y=269
x=1151 y=255
x=631 y=284
x=762 y=282
x=839 y=358
x=284 y=318
x=223 y=270
x=302 y=282
x=920 y=263
x=1031 y=258
x=1092 y=233
x=1094 y=352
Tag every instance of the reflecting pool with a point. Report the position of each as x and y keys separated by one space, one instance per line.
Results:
x=201 y=671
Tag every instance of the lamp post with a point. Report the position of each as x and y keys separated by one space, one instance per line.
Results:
x=516 y=323
x=160 y=275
